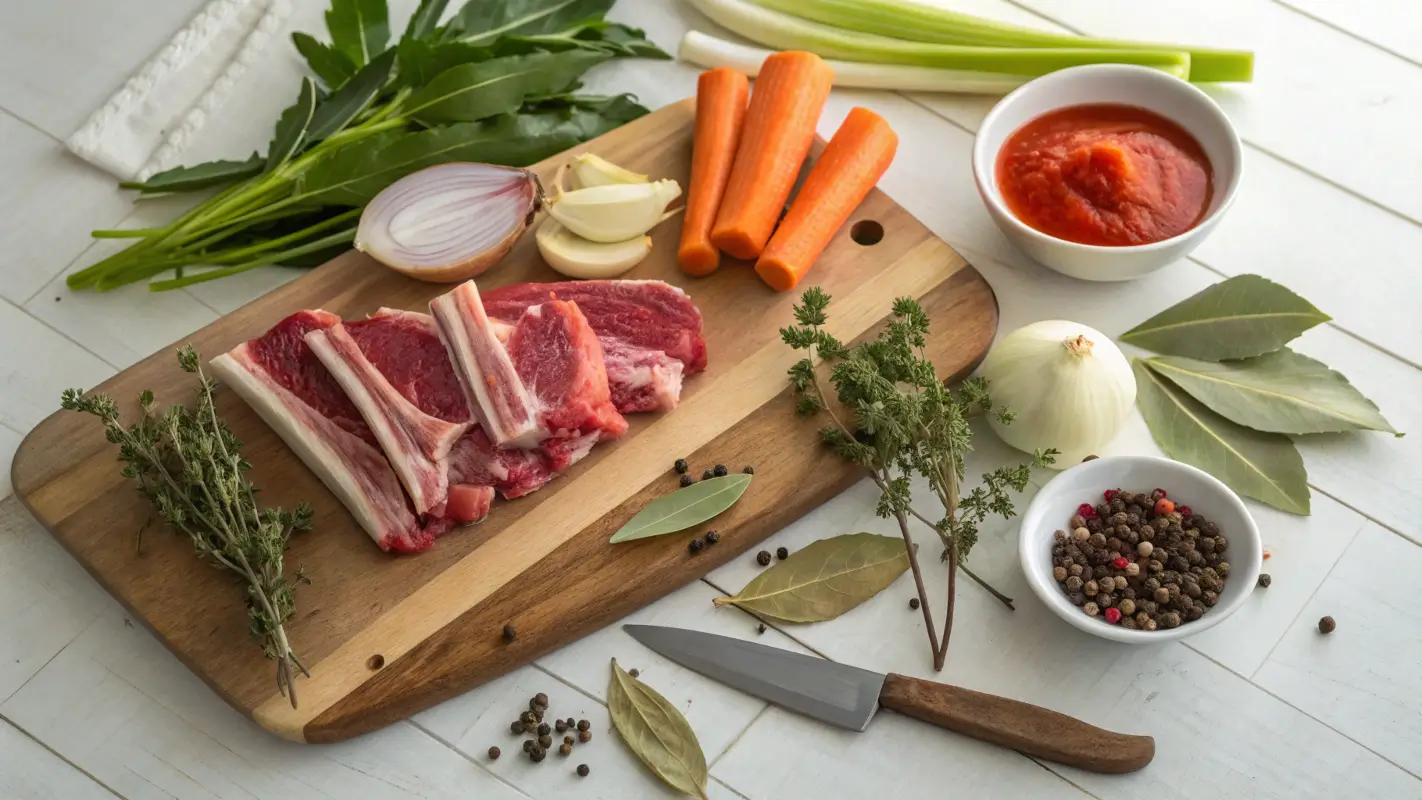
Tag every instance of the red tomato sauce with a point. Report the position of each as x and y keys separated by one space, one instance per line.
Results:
x=1109 y=175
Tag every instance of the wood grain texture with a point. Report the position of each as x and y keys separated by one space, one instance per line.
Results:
x=1026 y=728
x=541 y=563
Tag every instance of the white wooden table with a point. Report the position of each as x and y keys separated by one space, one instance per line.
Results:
x=92 y=706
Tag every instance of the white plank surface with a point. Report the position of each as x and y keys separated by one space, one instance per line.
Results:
x=9 y=443
x=1260 y=706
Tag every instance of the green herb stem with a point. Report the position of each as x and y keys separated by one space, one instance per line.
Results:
x=340 y=237
x=124 y=233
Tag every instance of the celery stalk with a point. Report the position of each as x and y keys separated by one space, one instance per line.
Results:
x=904 y=19
x=786 y=32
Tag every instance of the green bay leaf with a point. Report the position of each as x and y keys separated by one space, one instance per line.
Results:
x=354 y=96
x=684 y=508
x=471 y=92
x=332 y=66
x=1279 y=392
x=656 y=733
x=1264 y=466
x=425 y=20
x=483 y=21
x=1239 y=317
x=825 y=579
x=359 y=28
x=291 y=128
x=199 y=176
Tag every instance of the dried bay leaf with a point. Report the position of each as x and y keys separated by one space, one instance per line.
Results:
x=1279 y=392
x=684 y=508
x=1239 y=317
x=657 y=733
x=825 y=579
x=1264 y=466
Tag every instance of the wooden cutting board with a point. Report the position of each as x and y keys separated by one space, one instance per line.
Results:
x=385 y=636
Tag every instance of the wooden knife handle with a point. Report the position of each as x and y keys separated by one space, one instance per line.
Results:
x=1029 y=729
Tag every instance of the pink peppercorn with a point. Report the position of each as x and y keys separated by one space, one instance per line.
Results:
x=1085 y=510
x=1111 y=494
x=1113 y=615
x=1119 y=562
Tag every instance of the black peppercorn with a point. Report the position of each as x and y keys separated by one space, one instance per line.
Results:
x=749 y=470
x=760 y=628
x=1327 y=625
x=572 y=723
x=527 y=717
x=516 y=726
x=560 y=726
x=713 y=537
x=687 y=480
x=545 y=741
x=568 y=739
x=720 y=470
x=634 y=672
x=510 y=633
x=763 y=558
x=707 y=475
x=584 y=725
x=782 y=553
x=528 y=745
x=585 y=736
x=565 y=749
x=913 y=603
x=538 y=754
x=494 y=752
x=543 y=729
x=1265 y=580
x=696 y=545
x=681 y=466
x=534 y=704
x=583 y=770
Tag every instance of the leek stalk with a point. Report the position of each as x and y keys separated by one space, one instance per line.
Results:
x=903 y=19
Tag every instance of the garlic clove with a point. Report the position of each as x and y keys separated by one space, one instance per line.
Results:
x=576 y=257
x=615 y=212
x=590 y=170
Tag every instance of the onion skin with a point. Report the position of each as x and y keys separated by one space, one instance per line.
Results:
x=457 y=270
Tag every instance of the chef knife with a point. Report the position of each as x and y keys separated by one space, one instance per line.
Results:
x=848 y=697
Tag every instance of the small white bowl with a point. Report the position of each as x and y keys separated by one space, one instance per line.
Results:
x=1121 y=84
x=1085 y=482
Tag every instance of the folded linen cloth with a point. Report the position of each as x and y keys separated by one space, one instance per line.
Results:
x=149 y=123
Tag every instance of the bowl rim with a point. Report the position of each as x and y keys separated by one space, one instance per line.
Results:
x=1044 y=587
x=984 y=164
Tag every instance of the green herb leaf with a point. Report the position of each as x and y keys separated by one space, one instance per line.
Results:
x=199 y=176
x=684 y=508
x=1264 y=466
x=1236 y=318
x=657 y=733
x=482 y=21
x=359 y=28
x=291 y=128
x=825 y=579
x=425 y=20
x=346 y=103
x=330 y=65
x=471 y=92
x=421 y=60
x=1279 y=392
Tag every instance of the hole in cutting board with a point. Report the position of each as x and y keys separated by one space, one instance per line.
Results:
x=867 y=232
x=375 y=662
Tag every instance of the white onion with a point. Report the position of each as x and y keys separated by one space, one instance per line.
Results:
x=449 y=222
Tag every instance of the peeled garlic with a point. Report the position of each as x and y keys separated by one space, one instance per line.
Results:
x=576 y=257
x=590 y=170
x=1068 y=384
x=615 y=212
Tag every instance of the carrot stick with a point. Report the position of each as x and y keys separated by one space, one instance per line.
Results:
x=779 y=129
x=851 y=164
x=720 y=110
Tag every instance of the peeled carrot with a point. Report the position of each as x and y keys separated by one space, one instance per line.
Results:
x=720 y=110
x=789 y=94
x=850 y=165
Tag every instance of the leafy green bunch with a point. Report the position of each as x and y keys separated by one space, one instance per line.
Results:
x=497 y=83
x=189 y=466
x=903 y=422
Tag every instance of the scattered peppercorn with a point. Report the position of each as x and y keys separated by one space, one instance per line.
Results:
x=707 y=475
x=585 y=736
x=543 y=729
x=760 y=628
x=572 y=723
x=681 y=466
x=538 y=754
x=560 y=726
x=696 y=545
x=634 y=672
x=713 y=537
x=1327 y=625
x=568 y=740
x=494 y=752
x=583 y=770
x=782 y=553
x=545 y=741
x=687 y=480
x=510 y=633
x=913 y=603
x=516 y=726
x=720 y=470
x=1265 y=580
x=763 y=558
x=538 y=702
x=527 y=717
x=584 y=725
x=528 y=745
x=749 y=470
x=565 y=749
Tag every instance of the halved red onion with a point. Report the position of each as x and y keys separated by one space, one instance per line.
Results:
x=449 y=222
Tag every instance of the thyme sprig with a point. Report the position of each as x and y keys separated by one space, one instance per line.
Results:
x=189 y=466
x=906 y=423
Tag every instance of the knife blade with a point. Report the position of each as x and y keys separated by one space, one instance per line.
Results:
x=848 y=697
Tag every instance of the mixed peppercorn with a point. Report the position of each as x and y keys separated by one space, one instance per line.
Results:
x=531 y=722
x=1140 y=561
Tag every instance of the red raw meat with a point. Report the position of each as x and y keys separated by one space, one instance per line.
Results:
x=650 y=333
x=284 y=382
x=559 y=360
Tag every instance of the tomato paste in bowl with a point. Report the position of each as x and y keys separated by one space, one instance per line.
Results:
x=1105 y=174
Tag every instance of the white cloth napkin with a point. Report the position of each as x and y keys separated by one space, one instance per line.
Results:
x=149 y=123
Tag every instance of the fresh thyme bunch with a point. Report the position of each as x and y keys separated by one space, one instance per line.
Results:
x=906 y=423
x=189 y=465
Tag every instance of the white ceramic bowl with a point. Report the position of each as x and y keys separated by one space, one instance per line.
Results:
x=1085 y=482
x=1121 y=84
